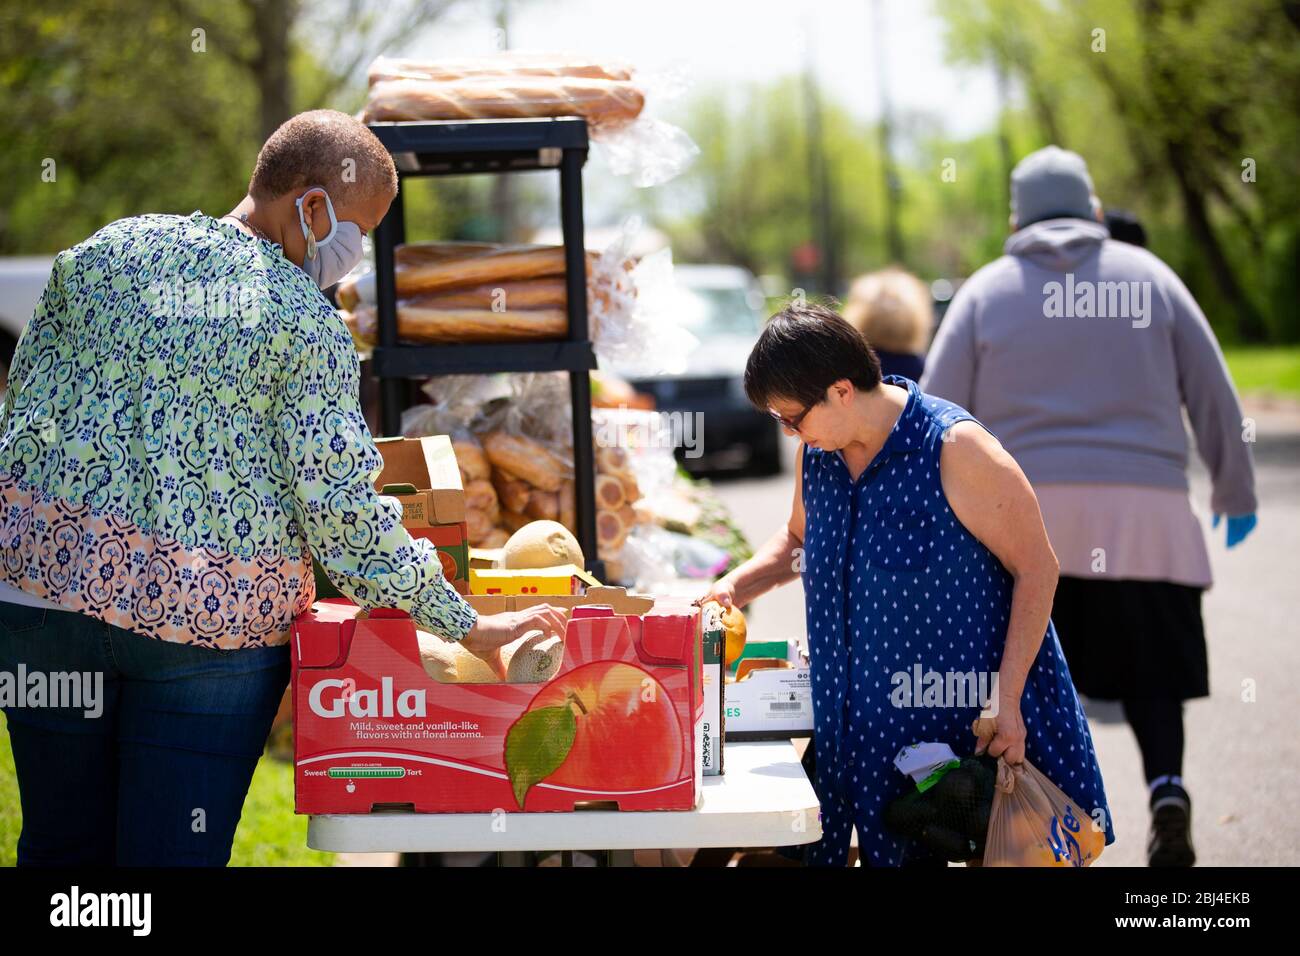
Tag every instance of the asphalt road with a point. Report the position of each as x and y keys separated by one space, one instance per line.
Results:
x=1242 y=764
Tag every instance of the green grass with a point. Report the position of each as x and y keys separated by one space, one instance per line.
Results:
x=269 y=833
x=1269 y=369
x=11 y=817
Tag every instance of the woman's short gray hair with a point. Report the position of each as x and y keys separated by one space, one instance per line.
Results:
x=323 y=148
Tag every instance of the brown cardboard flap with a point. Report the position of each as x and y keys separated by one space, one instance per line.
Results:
x=429 y=465
x=749 y=664
x=481 y=558
x=616 y=597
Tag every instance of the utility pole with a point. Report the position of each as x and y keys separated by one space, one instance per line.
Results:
x=502 y=201
x=893 y=186
x=819 y=180
x=1004 y=137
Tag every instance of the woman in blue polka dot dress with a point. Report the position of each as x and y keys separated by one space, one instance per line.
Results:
x=928 y=580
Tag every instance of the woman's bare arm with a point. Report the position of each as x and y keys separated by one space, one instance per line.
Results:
x=777 y=562
x=993 y=499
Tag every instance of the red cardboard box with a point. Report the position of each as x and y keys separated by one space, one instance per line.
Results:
x=619 y=725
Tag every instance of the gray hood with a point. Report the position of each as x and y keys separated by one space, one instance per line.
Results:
x=1057 y=244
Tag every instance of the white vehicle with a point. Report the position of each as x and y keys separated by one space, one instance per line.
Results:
x=722 y=306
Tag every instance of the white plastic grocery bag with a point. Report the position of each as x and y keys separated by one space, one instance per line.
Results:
x=1033 y=823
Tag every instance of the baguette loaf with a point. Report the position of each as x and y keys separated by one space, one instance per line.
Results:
x=503 y=264
x=543 y=505
x=513 y=492
x=506 y=63
x=521 y=456
x=568 y=515
x=609 y=493
x=424 y=253
x=433 y=326
x=509 y=295
x=480 y=495
x=479 y=526
x=471 y=460
x=606 y=104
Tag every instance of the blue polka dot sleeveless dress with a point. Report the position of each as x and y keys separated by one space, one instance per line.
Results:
x=893 y=581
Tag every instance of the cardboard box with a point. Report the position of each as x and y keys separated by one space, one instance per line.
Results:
x=452 y=542
x=713 y=644
x=563 y=579
x=485 y=557
x=613 y=597
x=372 y=730
x=422 y=474
x=770 y=699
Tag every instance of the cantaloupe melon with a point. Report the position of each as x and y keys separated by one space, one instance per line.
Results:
x=541 y=544
x=531 y=659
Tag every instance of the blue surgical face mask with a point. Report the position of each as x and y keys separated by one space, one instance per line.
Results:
x=328 y=260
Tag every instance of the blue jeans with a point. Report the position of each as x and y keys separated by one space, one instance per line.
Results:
x=151 y=768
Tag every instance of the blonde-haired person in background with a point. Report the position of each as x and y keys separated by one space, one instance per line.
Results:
x=894 y=311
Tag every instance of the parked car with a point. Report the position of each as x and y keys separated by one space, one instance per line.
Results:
x=723 y=307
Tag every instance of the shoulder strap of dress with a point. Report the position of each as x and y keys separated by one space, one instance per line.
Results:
x=942 y=420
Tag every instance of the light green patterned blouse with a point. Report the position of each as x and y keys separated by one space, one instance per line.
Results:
x=182 y=432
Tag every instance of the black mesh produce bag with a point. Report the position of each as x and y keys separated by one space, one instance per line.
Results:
x=952 y=817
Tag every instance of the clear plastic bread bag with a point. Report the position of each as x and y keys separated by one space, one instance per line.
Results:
x=459 y=405
x=609 y=94
x=634 y=308
x=500 y=63
x=1033 y=823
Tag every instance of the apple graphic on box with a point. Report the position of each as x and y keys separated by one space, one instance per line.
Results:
x=606 y=725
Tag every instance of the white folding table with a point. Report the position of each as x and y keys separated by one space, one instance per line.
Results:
x=764 y=799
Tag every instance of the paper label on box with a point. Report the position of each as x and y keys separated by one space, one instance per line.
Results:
x=771 y=700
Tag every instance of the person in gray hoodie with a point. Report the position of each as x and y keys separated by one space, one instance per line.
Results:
x=1081 y=354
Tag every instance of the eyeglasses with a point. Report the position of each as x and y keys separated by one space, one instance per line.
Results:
x=791 y=423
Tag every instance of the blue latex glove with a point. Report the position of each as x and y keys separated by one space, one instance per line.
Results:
x=1238 y=527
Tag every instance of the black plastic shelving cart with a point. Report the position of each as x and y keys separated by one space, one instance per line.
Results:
x=461 y=147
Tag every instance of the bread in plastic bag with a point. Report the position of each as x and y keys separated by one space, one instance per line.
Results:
x=1033 y=823
x=501 y=63
x=512 y=84
x=605 y=104
x=434 y=326
x=485 y=292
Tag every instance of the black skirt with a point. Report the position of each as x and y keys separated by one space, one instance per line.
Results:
x=1132 y=639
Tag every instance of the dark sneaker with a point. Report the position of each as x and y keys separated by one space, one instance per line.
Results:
x=1170 y=840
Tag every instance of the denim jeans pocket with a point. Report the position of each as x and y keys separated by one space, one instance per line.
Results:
x=16 y=618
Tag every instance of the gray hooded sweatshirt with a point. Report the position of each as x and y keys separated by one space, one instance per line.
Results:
x=1079 y=353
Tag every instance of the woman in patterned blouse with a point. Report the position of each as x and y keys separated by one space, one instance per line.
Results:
x=181 y=434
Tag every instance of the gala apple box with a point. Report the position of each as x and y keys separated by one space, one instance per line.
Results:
x=619 y=725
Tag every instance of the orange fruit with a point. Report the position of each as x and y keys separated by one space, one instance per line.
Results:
x=734 y=623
